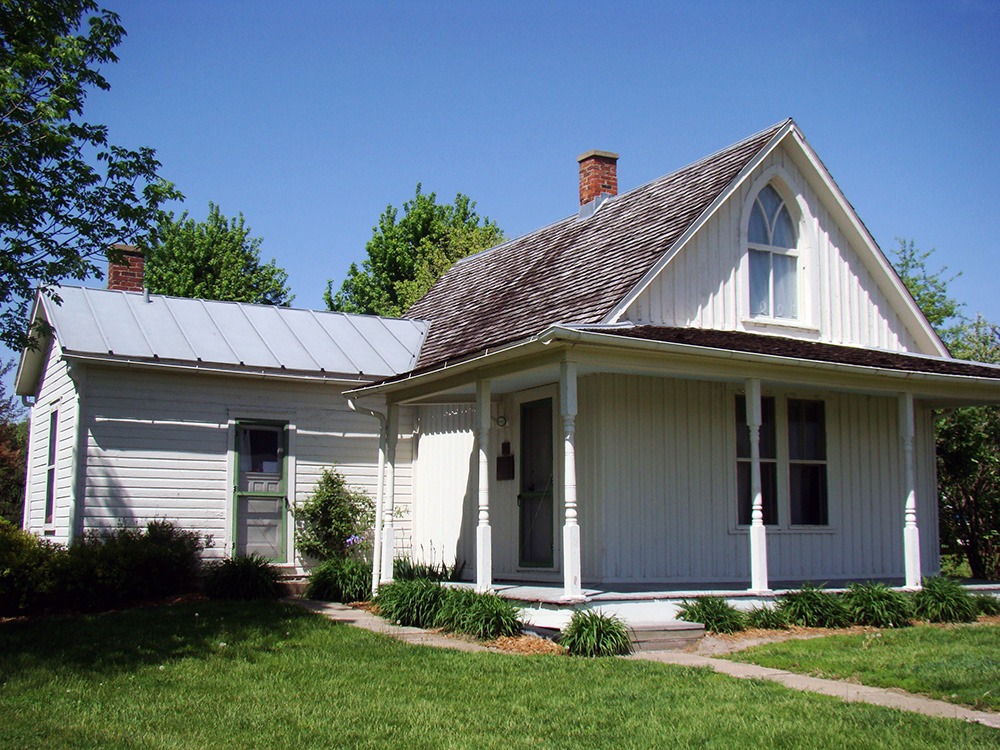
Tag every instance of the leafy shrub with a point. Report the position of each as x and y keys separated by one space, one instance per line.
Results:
x=340 y=580
x=944 y=600
x=415 y=603
x=987 y=604
x=335 y=521
x=714 y=612
x=812 y=607
x=488 y=616
x=592 y=633
x=877 y=605
x=406 y=569
x=24 y=562
x=766 y=618
x=242 y=577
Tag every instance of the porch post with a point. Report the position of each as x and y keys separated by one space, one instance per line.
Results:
x=388 y=529
x=758 y=532
x=383 y=437
x=484 y=540
x=572 y=588
x=911 y=535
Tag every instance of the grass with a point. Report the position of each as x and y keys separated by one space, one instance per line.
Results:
x=269 y=675
x=960 y=664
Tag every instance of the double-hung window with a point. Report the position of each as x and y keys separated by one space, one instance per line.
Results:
x=50 y=467
x=793 y=464
x=774 y=259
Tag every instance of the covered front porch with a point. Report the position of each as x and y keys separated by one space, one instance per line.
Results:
x=642 y=475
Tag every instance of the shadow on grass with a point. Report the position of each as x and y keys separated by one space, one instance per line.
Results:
x=115 y=642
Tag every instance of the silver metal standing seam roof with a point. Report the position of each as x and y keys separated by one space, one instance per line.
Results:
x=133 y=327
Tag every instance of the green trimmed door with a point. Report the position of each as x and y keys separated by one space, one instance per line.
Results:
x=535 y=498
x=260 y=491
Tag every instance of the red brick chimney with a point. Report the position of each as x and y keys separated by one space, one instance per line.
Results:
x=126 y=275
x=598 y=175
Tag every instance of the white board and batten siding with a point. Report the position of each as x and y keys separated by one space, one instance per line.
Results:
x=56 y=393
x=158 y=446
x=840 y=301
x=656 y=485
x=656 y=463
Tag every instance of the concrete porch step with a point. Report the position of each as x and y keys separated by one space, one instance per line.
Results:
x=667 y=636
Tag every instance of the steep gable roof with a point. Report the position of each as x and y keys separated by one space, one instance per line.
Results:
x=116 y=326
x=573 y=271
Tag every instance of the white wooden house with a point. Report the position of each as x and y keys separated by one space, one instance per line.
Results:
x=217 y=415
x=715 y=378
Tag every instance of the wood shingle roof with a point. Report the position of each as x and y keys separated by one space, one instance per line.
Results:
x=574 y=271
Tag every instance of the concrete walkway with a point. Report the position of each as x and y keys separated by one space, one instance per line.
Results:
x=846 y=691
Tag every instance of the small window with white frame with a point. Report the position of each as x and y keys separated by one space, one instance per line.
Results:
x=773 y=257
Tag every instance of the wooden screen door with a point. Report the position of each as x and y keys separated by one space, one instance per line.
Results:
x=535 y=498
x=260 y=491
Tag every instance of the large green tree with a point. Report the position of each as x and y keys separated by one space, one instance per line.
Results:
x=407 y=254
x=212 y=259
x=968 y=439
x=66 y=193
x=13 y=451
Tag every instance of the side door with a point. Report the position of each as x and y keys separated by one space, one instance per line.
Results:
x=260 y=494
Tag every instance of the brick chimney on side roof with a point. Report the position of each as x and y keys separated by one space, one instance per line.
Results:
x=126 y=274
x=598 y=175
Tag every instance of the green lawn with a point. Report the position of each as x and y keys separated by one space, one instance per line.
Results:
x=212 y=675
x=959 y=664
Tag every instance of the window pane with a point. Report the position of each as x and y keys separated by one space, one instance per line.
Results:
x=260 y=450
x=760 y=283
x=769 y=492
x=808 y=494
x=784 y=231
x=757 y=232
x=785 y=295
x=771 y=201
x=742 y=433
x=806 y=430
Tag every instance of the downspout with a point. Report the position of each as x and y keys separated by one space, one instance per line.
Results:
x=380 y=492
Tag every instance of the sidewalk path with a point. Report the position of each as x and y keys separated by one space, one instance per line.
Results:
x=846 y=691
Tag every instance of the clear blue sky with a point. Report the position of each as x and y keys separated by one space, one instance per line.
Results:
x=311 y=117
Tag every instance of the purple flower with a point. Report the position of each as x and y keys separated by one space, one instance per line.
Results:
x=352 y=540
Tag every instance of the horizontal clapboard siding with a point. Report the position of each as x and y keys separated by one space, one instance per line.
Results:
x=704 y=285
x=157 y=446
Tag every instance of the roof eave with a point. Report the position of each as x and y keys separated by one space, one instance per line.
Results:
x=214 y=368
x=568 y=336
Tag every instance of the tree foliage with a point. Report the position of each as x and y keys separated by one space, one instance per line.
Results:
x=336 y=521
x=66 y=193
x=968 y=438
x=212 y=259
x=407 y=254
x=929 y=289
x=13 y=452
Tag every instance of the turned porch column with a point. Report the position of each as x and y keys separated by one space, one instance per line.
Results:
x=484 y=540
x=572 y=588
x=388 y=528
x=758 y=532
x=911 y=535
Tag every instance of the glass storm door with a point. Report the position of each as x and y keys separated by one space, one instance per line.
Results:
x=260 y=491
x=535 y=498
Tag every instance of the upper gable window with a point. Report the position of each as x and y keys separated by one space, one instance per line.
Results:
x=773 y=258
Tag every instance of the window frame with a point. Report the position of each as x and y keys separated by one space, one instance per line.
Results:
x=51 y=467
x=784 y=464
x=772 y=250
